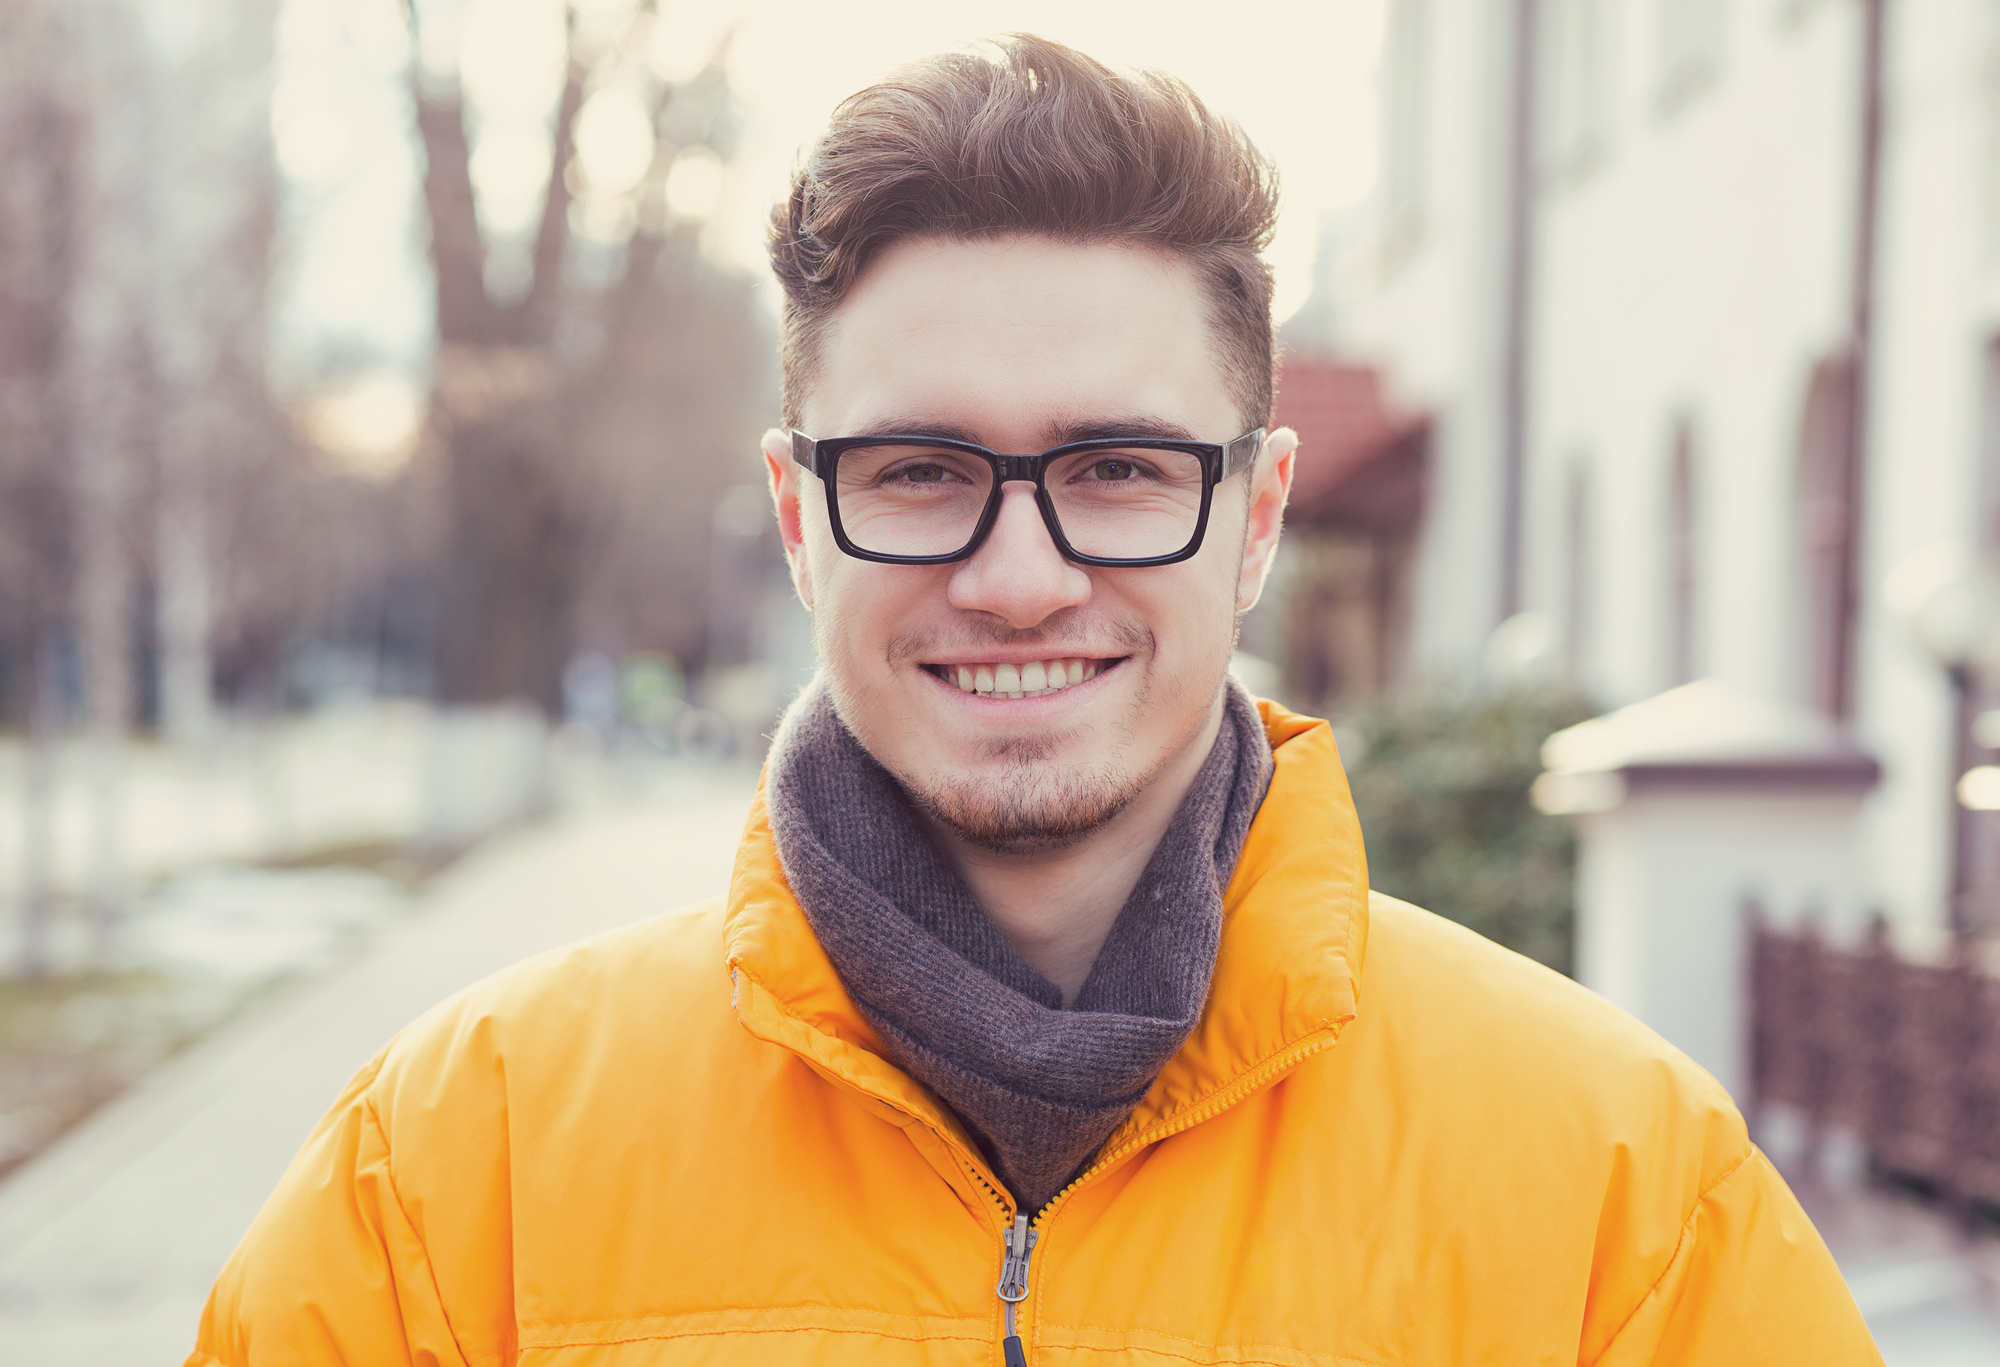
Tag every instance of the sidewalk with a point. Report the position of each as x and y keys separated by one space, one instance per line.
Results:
x=344 y=776
x=1930 y=1291
x=109 y=1241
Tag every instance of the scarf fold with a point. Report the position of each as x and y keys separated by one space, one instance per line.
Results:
x=1039 y=1086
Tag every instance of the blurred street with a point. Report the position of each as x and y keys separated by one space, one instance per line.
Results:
x=1930 y=1293
x=109 y=1241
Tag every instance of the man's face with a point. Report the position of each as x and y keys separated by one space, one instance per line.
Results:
x=1022 y=344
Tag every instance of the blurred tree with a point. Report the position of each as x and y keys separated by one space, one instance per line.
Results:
x=211 y=190
x=105 y=380
x=1441 y=782
x=135 y=222
x=664 y=421
x=39 y=135
x=590 y=421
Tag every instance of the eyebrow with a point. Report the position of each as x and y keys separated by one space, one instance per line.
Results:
x=1096 y=429
x=1060 y=433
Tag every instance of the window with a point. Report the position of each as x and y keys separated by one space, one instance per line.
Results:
x=1579 y=605
x=1827 y=533
x=1683 y=557
x=1579 y=88
x=1989 y=449
x=1406 y=120
x=1989 y=94
x=1689 y=38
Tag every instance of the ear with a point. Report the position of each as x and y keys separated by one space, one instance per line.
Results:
x=785 y=473
x=1271 y=486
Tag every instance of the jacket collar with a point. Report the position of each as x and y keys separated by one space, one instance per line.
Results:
x=1294 y=930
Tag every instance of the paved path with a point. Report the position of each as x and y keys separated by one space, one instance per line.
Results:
x=1931 y=1292
x=110 y=1240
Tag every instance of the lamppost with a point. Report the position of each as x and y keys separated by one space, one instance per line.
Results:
x=1948 y=602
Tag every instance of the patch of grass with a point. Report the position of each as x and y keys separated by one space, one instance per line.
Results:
x=69 y=1044
x=396 y=860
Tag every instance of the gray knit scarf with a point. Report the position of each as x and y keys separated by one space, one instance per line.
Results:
x=1039 y=1086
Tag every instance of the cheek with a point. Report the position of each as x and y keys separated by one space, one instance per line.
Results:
x=1191 y=610
x=858 y=608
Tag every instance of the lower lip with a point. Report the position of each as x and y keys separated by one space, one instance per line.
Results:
x=989 y=700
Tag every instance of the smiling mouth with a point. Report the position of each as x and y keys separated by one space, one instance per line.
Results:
x=1035 y=679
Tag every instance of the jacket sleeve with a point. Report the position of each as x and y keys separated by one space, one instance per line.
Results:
x=332 y=1270
x=1750 y=1283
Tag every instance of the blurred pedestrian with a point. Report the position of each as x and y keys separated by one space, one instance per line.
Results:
x=1049 y=1013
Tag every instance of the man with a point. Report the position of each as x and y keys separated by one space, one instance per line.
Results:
x=1048 y=1018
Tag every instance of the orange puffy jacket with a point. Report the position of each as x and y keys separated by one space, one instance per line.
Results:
x=1387 y=1143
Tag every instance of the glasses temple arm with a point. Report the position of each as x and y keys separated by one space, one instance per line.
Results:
x=802 y=450
x=1238 y=454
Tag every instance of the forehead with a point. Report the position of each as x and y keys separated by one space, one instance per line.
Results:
x=1017 y=336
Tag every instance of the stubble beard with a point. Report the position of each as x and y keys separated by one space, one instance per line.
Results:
x=1038 y=801
x=1034 y=805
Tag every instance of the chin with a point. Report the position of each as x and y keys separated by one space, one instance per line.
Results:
x=1026 y=805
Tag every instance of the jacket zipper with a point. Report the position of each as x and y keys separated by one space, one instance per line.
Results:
x=1215 y=1105
x=1013 y=1288
x=1019 y=1241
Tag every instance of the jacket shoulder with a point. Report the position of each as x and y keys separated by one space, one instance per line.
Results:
x=1533 y=1106
x=1520 y=1034
x=610 y=997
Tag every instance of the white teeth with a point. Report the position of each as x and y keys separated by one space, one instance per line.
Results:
x=1034 y=679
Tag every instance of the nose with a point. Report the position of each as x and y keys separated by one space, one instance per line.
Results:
x=1017 y=574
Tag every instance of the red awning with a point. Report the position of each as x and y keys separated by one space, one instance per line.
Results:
x=1362 y=464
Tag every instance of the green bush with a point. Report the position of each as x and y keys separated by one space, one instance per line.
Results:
x=1441 y=782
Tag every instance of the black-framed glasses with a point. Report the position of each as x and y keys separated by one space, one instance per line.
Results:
x=912 y=500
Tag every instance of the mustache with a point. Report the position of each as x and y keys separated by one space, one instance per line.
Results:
x=1097 y=640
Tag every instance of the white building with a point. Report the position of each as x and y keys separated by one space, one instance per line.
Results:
x=1631 y=297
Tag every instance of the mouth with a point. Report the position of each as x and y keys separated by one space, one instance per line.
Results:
x=1016 y=680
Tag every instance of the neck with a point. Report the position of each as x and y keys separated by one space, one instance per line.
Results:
x=1057 y=907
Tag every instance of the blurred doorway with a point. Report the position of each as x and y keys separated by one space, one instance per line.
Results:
x=1351 y=529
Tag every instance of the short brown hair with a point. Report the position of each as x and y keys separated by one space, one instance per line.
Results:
x=1033 y=138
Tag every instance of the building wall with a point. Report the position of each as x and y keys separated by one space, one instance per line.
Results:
x=1936 y=309
x=1425 y=294
x=1689 y=277
x=1692 y=263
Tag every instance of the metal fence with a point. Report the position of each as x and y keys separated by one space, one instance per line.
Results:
x=1905 y=1055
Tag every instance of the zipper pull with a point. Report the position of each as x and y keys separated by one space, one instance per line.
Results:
x=1013 y=1288
x=1014 y=1269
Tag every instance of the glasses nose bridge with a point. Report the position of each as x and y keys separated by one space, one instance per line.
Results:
x=1019 y=469
x=1010 y=469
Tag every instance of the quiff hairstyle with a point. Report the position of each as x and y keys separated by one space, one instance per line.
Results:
x=1031 y=137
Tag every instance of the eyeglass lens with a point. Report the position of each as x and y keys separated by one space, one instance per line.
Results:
x=1112 y=504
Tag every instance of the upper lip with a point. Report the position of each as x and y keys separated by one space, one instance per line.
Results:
x=1000 y=655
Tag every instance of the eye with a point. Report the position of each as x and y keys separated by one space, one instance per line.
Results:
x=1114 y=470
x=929 y=473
